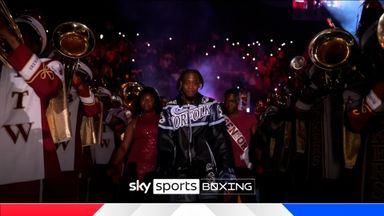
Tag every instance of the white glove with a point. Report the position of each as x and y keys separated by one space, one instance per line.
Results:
x=245 y=158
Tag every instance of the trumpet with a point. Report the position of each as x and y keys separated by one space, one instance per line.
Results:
x=9 y=21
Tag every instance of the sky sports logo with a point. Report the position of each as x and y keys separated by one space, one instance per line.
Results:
x=196 y=186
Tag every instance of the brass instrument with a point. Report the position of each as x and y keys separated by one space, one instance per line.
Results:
x=281 y=96
x=8 y=21
x=73 y=41
x=298 y=63
x=331 y=48
x=129 y=92
x=380 y=31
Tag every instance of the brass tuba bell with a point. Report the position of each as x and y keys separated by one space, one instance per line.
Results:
x=9 y=21
x=331 y=48
x=380 y=31
x=129 y=92
x=73 y=39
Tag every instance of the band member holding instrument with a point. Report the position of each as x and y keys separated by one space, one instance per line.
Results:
x=75 y=158
x=116 y=117
x=365 y=109
x=102 y=188
x=27 y=152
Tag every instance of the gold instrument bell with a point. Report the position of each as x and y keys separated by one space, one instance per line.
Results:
x=380 y=31
x=8 y=20
x=73 y=40
x=331 y=48
x=129 y=92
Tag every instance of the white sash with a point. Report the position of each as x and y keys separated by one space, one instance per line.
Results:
x=239 y=139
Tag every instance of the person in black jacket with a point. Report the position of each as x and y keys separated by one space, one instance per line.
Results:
x=192 y=138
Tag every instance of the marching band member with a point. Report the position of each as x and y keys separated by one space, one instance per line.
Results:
x=102 y=188
x=116 y=116
x=27 y=151
x=75 y=158
x=365 y=106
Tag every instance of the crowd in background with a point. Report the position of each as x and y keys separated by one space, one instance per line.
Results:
x=254 y=66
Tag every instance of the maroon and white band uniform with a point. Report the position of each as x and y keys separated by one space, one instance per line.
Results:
x=102 y=152
x=75 y=159
x=27 y=151
x=114 y=125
